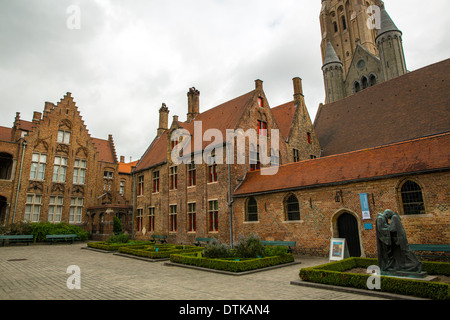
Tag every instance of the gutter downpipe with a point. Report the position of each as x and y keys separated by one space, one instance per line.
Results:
x=134 y=203
x=24 y=144
x=230 y=201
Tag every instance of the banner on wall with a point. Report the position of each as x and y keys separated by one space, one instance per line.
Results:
x=364 y=199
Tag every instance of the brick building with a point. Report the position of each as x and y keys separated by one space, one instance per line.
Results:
x=190 y=200
x=53 y=170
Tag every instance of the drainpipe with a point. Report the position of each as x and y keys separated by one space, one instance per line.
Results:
x=134 y=199
x=24 y=144
x=230 y=201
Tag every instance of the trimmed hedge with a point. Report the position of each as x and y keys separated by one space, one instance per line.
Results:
x=231 y=264
x=103 y=245
x=334 y=274
x=164 y=250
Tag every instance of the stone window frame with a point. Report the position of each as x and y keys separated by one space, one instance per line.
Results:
x=399 y=187
x=247 y=210
x=287 y=211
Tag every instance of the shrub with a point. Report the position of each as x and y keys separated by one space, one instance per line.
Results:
x=41 y=229
x=19 y=228
x=215 y=249
x=117 y=228
x=250 y=247
x=119 y=238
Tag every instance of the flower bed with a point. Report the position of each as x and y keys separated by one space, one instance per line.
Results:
x=231 y=264
x=334 y=273
x=111 y=246
x=160 y=251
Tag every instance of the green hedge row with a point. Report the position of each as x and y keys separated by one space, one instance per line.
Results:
x=333 y=274
x=231 y=265
x=164 y=250
x=103 y=245
x=40 y=230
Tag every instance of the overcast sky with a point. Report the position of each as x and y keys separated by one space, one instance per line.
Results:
x=128 y=57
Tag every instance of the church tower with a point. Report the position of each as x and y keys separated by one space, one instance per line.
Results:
x=361 y=46
x=344 y=24
x=390 y=46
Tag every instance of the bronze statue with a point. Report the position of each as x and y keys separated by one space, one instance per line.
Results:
x=394 y=255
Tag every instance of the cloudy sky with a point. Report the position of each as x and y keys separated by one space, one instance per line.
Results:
x=128 y=57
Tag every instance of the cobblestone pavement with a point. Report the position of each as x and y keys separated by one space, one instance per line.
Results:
x=39 y=272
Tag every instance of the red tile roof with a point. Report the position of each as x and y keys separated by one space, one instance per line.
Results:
x=419 y=155
x=414 y=105
x=223 y=117
x=127 y=167
x=104 y=149
x=284 y=116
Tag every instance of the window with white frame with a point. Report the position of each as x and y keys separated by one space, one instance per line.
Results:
x=55 y=209
x=192 y=219
x=76 y=210
x=213 y=212
x=33 y=207
x=79 y=172
x=38 y=164
x=60 y=169
x=63 y=137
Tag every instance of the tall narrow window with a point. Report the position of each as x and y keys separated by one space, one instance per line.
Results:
x=55 y=209
x=262 y=128
x=151 y=219
x=60 y=169
x=155 y=181
x=173 y=177
x=252 y=210
x=335 y=27
x=260 y=102
x=212 y=168
x=296 y=155
x=38 y=164
x=33 y=207
x=79 y=172
x=122 y=188
x=140 y=219
x=254 y=159
x=76 y=210
x=140 y=186
x=173 y=218
x=63 y=137
x=344 y=23
x=213 y=215
x=308 y=137
x=412 y=198
x=192 y=174
x=192 y=217
x=292 y=208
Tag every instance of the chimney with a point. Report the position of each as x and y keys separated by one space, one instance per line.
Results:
x=258 y=84
x=193 y=104
x=298 y=90
x=163 y=119
x=37 y=116
x=122 y=159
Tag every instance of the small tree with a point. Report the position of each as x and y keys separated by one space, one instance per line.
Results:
x=117 y=228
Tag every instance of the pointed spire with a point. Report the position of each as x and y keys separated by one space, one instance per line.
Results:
x=386 y=23
x=331 y=55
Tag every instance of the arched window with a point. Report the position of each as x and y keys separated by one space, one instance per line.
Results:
x=364 y=82
x=252 y=210
x=292 y=208
x=356 y=86
x=6 y=164
x=412 y=198
x=372 y=80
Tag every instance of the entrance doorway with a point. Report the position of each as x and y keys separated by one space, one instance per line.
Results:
x=348 y=229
